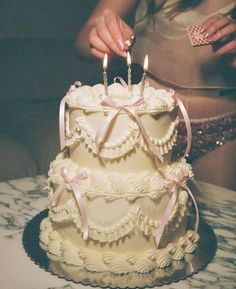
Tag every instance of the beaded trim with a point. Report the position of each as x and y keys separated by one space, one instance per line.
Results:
x=208 y=134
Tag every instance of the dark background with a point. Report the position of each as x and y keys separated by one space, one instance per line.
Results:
x=37 y=58
x=38 y=63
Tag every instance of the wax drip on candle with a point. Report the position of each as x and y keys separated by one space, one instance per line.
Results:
x=105 y=61
x=129 y=71
x=145 y=68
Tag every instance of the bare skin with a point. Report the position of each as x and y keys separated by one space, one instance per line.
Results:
x=218 y=166
x=218 y=29
x=105 y=32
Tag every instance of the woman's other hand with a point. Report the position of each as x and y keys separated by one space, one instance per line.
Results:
x=221 y=31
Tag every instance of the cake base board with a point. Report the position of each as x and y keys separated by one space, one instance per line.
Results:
x=179 y=270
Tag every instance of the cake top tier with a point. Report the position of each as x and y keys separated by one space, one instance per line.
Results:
x=92 y=97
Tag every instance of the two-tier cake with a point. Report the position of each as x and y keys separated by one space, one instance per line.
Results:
x=118 y=200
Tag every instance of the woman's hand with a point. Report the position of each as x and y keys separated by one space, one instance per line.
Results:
x=105 y=31
x=221 y=31
x=108 y=35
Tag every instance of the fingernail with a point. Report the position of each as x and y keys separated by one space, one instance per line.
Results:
x=210 y=40
x=206 y=35
x=203 y=30
x=120 y=44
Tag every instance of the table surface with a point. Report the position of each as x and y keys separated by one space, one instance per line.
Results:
x=24 y=198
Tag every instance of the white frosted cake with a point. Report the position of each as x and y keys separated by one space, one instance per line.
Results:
x=118 y=201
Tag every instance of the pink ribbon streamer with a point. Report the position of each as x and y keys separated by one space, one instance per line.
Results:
x=186 y=121
x=187 y=124
x=122 y=81
x=62 y=116
x=176 y=183
x=62 y=123
x=128 y=107
x=73 y=183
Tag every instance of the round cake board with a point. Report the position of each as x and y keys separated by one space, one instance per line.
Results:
x=179 y=270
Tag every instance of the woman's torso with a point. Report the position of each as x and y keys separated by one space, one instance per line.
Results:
x=174 y=62
x=172 y=58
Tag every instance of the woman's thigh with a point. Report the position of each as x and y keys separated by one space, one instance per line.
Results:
x=217 y=166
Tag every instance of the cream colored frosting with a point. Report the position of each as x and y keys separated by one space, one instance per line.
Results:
x=125 y=192
x=100 y=260
x=87 y=97
x=115 y=185
x=125 y=143
x=134 y=217
x=78 y=274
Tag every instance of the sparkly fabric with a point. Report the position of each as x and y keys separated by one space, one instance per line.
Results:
x=208 y=134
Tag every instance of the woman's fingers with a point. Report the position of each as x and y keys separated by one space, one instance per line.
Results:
x=127 y=31
x=109 y=34
x=96 y=42
x=221 y=31
x=224 y=32
x=114 y=25
x=229 y=52
x=228 y=48
x=97 y=53
x=217 y=28
x=213 y=24
x=104 y=34
x=119 y=30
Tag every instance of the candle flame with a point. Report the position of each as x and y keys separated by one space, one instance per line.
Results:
x=105 y=60
x=128 y=59
x=145 y=64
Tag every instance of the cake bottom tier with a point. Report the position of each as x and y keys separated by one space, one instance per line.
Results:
x=122 y=214
x=96 y=257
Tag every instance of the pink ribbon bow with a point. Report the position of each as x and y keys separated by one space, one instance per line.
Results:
x=128 y=107
x=175 y=184
x=73 y=183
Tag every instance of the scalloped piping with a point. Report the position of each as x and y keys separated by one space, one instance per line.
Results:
x=79 y=274
x=122 y=146
x=134 y=218
x=114 y=186
x=88 y=98
x=95 y=261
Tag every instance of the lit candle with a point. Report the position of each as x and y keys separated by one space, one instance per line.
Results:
x=129 y=71
x=145 y=68
x=105 y=60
